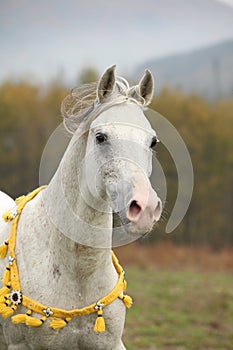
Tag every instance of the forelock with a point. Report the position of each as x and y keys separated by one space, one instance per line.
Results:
x=81 y=106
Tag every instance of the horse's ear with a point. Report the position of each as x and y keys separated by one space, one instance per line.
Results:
x=106 y=83
x=146 y=87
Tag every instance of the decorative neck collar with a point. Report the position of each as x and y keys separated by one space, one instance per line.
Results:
x=11 y=295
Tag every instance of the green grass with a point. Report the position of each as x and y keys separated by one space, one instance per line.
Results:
x=179 y=310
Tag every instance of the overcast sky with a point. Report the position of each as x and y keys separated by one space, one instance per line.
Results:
x=42 y=38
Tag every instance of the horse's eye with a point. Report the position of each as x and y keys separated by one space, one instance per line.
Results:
x=100 y=137
x=154 y=141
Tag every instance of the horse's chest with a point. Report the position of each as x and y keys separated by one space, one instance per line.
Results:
x=71 y=337
x=78 y=334
x=68 y=338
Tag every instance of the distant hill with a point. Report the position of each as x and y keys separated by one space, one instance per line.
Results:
x=207 y=71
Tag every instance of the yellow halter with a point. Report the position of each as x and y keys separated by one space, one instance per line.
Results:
x=11 y=295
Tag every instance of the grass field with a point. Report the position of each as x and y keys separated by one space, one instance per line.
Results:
x=179 y=309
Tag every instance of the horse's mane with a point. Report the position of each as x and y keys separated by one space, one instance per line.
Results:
x=81 y=106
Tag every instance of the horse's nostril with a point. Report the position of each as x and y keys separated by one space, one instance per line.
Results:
x=134 y=210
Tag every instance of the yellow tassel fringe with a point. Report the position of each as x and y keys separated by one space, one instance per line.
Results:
x=20 y=318
x=127 y=300
x=8 y=216
x=57 y=323
x=9 y=311
x=99 y=323
x=28 y=319
x=6 y=276
x=19 y=199
x=4 y=290
x=34 y=322
x=4 y=249
x=3 y=307
x=4 y=298
x=124 y=285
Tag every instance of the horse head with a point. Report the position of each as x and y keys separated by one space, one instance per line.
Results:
x=118 y=157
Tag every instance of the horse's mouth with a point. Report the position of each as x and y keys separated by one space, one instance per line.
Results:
x=122 y=217
x=121 y=220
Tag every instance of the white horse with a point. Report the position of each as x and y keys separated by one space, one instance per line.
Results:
x=64 y=234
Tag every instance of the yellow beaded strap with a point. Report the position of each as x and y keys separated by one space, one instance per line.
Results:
x=11 y=296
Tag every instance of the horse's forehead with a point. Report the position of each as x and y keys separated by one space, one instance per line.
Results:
x=129 y=115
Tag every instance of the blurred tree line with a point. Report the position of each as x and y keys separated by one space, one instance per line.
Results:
x=207 y=131
x=30 y=113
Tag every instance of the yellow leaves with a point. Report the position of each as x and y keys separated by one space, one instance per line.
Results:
x=28 y=115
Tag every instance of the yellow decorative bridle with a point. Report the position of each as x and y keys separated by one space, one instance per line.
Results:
x=11 y=296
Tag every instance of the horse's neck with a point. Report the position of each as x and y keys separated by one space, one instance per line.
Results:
x=77 y=261
x=74 y=223
x=48 y=259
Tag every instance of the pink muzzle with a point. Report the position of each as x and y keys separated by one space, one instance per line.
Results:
x=144 y=209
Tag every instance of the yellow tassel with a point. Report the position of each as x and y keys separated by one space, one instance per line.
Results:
x=57 y=323
x=124 y=285
x=20 y=318
x=127 y=300
x=3 y=249
x=4 y=290
x=19 y=199
x=3 y=306
x=99 y=323
x=4 y=298
x=8 y=216
x=34 y=322
x=9 y=311
x=6 y=276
